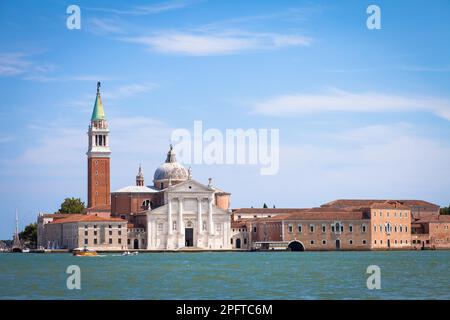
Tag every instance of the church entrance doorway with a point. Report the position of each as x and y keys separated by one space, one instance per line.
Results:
x=189 y=237
x=136 y=244
x=338 y=244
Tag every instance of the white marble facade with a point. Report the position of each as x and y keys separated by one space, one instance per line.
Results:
x=189 y=218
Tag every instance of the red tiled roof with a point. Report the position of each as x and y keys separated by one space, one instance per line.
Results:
x=86 y=218
x=437 y=219
x=238 y=224
x=369 y=202
x=268 y=210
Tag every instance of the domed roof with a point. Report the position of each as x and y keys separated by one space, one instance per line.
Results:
x=171 y=169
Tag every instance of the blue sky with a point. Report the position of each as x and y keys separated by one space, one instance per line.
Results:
x=362 y=113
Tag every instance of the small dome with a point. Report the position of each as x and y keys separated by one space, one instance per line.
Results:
x=171 y=169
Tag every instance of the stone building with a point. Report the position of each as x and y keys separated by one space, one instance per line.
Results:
x=81 y=230
x=431 y=233
x=240 y=238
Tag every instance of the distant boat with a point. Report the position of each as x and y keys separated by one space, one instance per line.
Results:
x=25 y=250
x=84 y=252
x=17 y=246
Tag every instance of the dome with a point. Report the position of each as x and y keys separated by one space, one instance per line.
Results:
x=171 y=169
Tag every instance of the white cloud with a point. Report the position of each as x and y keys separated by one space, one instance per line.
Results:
x=104 y=26
x=204 y=43
x=147 y=9
x=12 y=64
x=86 y=77
x=379 y=161
x=343 y=101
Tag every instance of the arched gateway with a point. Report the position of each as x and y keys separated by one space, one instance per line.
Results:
x=295 y=246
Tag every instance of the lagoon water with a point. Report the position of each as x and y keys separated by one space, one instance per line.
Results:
x=231 y=275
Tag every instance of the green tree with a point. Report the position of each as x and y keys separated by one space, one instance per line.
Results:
x=445 y=210
x=29 y=235
x=72 y=205
x=265 y=206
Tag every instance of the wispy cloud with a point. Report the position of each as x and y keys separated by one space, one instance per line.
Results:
x=89 y=78
x=148 y=9
x=104 y=26
x=204 y=43
x=343 y=101
x=12 y=64
x=85 y=102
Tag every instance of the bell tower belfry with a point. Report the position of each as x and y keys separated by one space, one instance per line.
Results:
x=98 y=155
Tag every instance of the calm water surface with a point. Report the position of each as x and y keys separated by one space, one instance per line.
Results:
x=246 y=275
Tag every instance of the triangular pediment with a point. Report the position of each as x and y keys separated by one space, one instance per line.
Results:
x=190 y=186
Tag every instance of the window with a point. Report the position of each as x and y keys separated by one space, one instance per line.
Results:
x=374 y=214
x=342 y=228
x=255 y=216
x=324 y=228
x=374 y=227
x=324 y=241
x=401 y=228
x=375 y=241
x=311 y=242
x=254 y=229
x=85 y=241
x=239 y=217
x=174 y=225
x=364 y=241
x=110 y=240
x=406 y=214
x=110 y=226
x=95 y=232
x=119 y=226
x=95 y=241
x=245 y=240
x=128 y=241
x=119 y=232
x=85 y=233
x=395 y=228
x=363 y=228
x=406 y=228
x=204 y=225
x=395 y=241
x=311 y=228
x=290 y=228
x=85 y=226
x=332 y=227
x=95 y=226
x=299 y=228
x=110 y=232
x=120 y=240
x=381 y=214
x=350 y=241
x=400 y=214
x=381 y=241
x=231 y=241
x=350 y=228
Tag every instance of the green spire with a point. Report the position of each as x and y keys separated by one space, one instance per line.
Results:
x=98 y=113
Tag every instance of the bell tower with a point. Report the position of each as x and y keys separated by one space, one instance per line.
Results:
x=98 y=155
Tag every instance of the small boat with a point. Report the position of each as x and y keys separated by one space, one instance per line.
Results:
x=25 y=250
x=84 y=252
x=126 y=253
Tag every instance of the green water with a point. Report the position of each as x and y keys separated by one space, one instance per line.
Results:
x=287 y=275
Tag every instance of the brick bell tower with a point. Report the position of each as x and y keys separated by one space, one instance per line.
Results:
x=98 y=156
